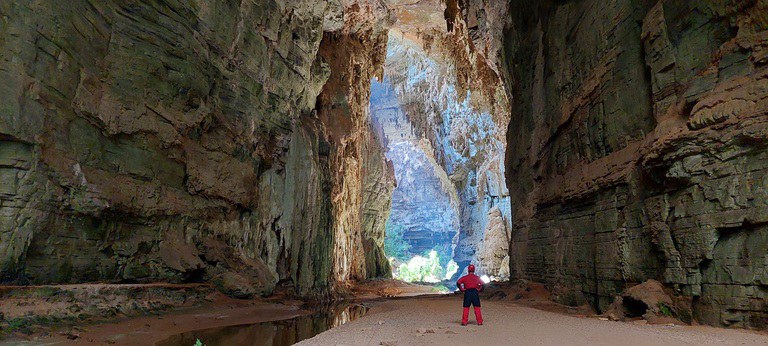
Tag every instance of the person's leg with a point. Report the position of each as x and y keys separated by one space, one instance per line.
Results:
x=478 y=315
x=465 y=311
x=478 y=311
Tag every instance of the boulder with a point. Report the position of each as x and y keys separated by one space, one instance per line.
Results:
x=234 y=285
x=647 y=300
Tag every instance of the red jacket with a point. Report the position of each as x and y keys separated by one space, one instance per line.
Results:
x=470 y=281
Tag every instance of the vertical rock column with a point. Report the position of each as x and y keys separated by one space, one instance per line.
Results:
x=362 y=180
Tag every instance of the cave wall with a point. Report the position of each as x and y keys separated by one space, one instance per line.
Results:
x=637 y=150
x=179 y=141
x=363 y=180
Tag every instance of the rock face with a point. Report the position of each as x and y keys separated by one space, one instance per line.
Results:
x=637 y=150
x=181 y=140
x=420 y=204
x=362 y=179
x=424 y=203
x=464 y=134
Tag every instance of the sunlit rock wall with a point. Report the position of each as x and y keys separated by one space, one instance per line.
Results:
x=178 y=141
x=637 y=150
x=362 y=179
x=378 y=187
x=425 y=202
x=466 y=135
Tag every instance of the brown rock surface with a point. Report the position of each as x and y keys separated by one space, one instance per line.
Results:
x=647 y=300
x=638 y=150
x=195 y=141
x=134 y=134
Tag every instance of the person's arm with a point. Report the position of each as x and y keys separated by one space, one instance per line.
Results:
x=478 y=283
x=458 y=284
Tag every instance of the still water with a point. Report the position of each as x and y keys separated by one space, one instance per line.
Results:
x=276 y=333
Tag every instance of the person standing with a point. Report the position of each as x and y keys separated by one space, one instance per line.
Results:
x=471 y=285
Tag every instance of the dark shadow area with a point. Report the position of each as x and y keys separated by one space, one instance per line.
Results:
x=634 y=307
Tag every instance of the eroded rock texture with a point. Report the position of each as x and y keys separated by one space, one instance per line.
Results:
x=637 y=150
x=464 y=133
x=179 y=141
x=424 y=203
x=362 y=179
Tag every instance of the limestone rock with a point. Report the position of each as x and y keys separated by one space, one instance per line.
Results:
x=647 y=300
x=638 y=151
x=234 y=285
x=176 y=140
x=495 y=246
x=361 y=182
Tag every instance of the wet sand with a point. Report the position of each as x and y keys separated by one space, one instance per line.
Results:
x=521 y=316
x=436 y=321
x=148 y=330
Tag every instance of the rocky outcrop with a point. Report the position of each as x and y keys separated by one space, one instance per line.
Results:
x=180 y=141
x=647 y=300
x=638 y=150
x=362 y=179
x=27 y=309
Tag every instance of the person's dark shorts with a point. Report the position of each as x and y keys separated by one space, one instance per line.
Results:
x=471 y=297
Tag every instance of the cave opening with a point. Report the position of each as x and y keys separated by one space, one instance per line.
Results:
x=423 y=224
x=634 y=307
x=450 y=205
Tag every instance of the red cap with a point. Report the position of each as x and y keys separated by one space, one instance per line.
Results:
x=471 y=268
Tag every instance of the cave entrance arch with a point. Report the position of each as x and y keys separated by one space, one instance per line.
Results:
x=446 y=147
x=423 y=225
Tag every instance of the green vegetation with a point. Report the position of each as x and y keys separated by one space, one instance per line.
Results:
x=199 y=343
x=432 y=266
x=395 y=245
x=665 y=310
x=444 y=252
x=421 y=269
x=39 y=292
x=21 y=325
x=440 y=289
x=451 y=269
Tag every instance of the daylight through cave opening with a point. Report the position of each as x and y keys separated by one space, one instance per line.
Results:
x=450 y=207
x=423 y=223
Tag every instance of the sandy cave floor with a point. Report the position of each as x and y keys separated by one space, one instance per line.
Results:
x=436 y=321
x=216 y=310
x=397 y=316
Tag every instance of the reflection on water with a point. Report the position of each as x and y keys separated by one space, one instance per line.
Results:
x=277 y=333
